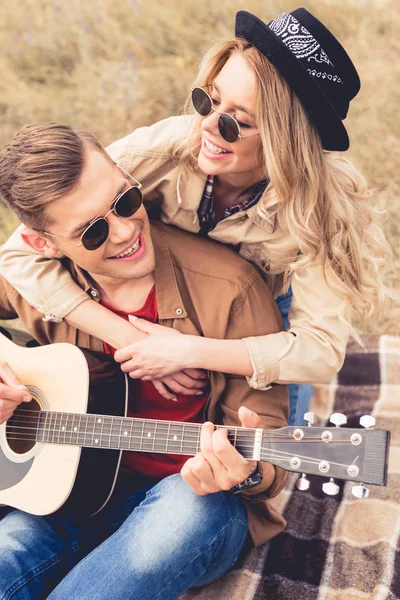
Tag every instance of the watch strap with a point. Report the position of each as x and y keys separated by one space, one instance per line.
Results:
x=250 y=482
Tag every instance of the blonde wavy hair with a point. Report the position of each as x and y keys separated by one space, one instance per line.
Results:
x=322 y=198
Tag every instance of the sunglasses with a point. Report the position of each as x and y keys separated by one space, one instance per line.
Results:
x=125 y=205
x=228 y=126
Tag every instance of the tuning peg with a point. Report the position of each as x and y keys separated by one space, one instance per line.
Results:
x=360 y=491
x=303 y=483
x=310 y=418
x=330 y=487
x=367 y=421
x=338 y=419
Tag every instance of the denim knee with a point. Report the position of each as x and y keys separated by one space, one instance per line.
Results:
x=174 y=519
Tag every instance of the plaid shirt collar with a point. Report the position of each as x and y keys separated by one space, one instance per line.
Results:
x=206 y=211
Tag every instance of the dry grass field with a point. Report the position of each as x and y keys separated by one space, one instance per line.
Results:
x=112 y=65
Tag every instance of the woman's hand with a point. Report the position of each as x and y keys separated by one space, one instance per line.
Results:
x=162 y=353
x=159 y=358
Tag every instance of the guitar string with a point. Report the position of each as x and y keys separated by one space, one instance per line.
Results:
x=268 y=453
x=116 y=420
x=272 y=452
x=244 y=437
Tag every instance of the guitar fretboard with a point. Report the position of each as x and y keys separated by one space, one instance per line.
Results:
x=126 y=433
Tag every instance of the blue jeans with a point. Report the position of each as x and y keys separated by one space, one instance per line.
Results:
x=152 y=544
x=299 y=394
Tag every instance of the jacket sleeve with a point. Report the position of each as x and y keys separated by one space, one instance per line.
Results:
x=256 y=311
x=43 y=282
x=314 y=347
x=7 y=308
x=143 y=154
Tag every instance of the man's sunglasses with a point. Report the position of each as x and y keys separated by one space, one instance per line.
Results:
x=96 y=233
x=228 y=126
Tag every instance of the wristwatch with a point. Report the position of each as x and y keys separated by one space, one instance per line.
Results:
x=251 y=481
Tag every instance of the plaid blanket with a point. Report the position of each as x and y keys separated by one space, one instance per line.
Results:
x=334 y=547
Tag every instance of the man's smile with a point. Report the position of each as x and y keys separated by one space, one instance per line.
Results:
x=134 y=250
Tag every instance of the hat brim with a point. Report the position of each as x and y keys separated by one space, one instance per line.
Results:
x=329 y=125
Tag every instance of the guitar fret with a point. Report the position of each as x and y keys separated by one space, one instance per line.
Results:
x=141 y=436
x=42 y=430
x=167 y=437
x=113 y=433
x=58 y=425
x=45 y=427
x=106 y=441
x=120 y=432
x=154 y=435
x=109 y=426
x=40 y=427
x=198 y=441
x=84 y=441
x=57 y=428
x=91 y=426
x=131 y=434
x=74 y=430
x=79 y=430
x=97 y=421
x=64 y=425
x=126 y=437
x=69 y=428
x=102 y=431
x=147 y=443
x=189 y=445
x=246 y=446
x=51 y=429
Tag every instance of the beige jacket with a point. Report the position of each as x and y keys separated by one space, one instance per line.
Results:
x=189 y=271
x=312 y=350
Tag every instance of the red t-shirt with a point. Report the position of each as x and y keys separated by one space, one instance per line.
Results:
x=146 y=403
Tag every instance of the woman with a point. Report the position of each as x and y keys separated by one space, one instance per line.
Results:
x=252 y=169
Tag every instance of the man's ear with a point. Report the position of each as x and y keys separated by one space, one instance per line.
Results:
x=39 y=243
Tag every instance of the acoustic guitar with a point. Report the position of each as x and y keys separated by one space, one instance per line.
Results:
x=62 y=450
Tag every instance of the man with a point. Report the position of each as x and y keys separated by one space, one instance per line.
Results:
x=162 y=532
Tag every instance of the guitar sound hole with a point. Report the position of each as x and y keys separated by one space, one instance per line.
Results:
x=21 y=428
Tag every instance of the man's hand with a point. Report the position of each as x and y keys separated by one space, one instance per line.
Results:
x=12 y=392
x=218 y=466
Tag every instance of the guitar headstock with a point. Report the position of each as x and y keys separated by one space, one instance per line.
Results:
x=358 y=455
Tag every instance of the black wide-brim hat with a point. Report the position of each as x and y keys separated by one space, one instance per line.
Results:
x=313 y=63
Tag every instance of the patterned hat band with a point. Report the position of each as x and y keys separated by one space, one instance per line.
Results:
x=314 y=64
x=304 y=46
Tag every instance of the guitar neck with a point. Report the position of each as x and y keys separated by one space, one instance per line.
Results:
x=351 y=454
x=133 y=434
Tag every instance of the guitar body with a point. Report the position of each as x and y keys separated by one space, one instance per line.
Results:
x=44 y=478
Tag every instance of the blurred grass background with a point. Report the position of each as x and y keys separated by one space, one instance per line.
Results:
x=113 y=65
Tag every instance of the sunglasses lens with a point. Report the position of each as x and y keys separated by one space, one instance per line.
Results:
x=95 y=235
x=228 y=128
x=129 y=202
x=201 y=102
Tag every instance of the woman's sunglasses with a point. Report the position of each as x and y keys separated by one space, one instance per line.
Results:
x=228 y=126
x=125 y=205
